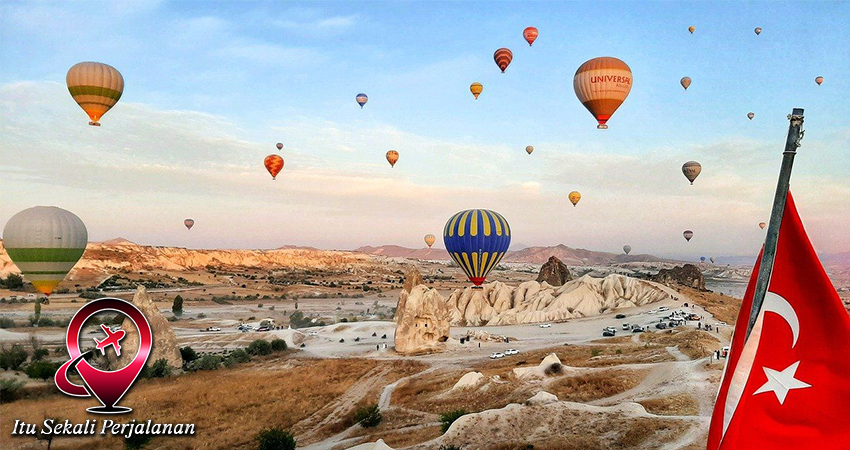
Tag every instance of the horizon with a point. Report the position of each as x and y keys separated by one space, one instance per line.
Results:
x=230 y=80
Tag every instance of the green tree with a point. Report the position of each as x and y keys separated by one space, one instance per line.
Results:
x=13 y=282
x=368 y=416
x=278 y=345
x=275 y=439
x=188 y=354
x=41 y=370
x=177 y=306
x=448 y=418
x=260 y=347
x=11 y=358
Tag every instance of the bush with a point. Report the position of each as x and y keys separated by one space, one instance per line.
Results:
x=450 y=447
x=177 y=306
x=11 y=358
x=259 y=305
x=260 y=347
x=278 y=345
x=208 y=362
x=12 y=282
x=448 y=418
x=368 y=416
x=39 y=354
x=10 y=389
x=41 y=370
x=6 y=322
x=237 y=357
x=595 y=352
x=275 y=439
x=188 y=354
x=159 y=369
x=137 y=441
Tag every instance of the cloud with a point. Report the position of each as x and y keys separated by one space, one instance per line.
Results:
x=310 y=24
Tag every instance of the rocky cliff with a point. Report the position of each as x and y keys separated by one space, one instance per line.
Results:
x=554 y=272
x=422 y=318
x=687 y=275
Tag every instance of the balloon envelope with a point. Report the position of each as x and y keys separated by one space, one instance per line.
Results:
x=702 y=258
x=96 y=87
x=45 y=242
x=503 y=57
x=712 y=259
x=688 y=234
x=627 y=249
x=819 y=80
x=274 y=164
x=430 y=239
x=392 y=157
x=189 y=223
x=529 y=149
x=691 y=169
x=692 y=29
x=750 y=116
x=361 y=99
x=477 y=239
x=574 y=197
x=530 y=34
x=601 y=85
x=476 y=89
x=685 y=81
x=762 y=225
x=279 y=146
x=758 y=31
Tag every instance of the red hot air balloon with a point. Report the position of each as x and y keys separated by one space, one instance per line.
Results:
x=530 y=34
x=274 y=164
x=503 y=58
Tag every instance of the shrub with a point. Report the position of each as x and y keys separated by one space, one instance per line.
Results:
x=6 y=322
x=274 y=439
x=368 y=416
x=259 y=305
x=595 y=352
x=278 y=345
x=448 y=418
x=11 y=358
x=39 y=354
x=553 y=369
x=260 y=347
x=12 y=282
x=41 y=370
x=137 y=441
x=208 y=362
x=10 y=389
x=177 y=306
x=449 y=447
x=188 y=354
x=237 y=357
x=159 y=369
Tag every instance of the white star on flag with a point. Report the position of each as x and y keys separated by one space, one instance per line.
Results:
x=781 y=382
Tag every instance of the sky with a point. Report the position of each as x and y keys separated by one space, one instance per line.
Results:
x=210 y=87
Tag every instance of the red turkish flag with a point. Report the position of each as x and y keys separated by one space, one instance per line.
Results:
x=788 y=385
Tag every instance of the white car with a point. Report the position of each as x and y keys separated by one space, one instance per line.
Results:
x=663 y=308
x=497 y=355
x=721 y=324
x=626 y=326
x=653 y=311
x=511 y=351
x=213 y=329
x=314 y=333
x=545 y=325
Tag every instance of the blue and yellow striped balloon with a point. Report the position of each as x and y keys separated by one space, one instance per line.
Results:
x=477 y=239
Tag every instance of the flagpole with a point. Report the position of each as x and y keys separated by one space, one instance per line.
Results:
x=795 y=134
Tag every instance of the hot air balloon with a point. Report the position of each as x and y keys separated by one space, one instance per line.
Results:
x=686 y=81
x=361 y=99
x=529 y=149
x=477 y=239
x=530 y=34
x=574 y=196
x=762 y=225
x=688 y=234
x=601 y=85
x=96 y=87
x=750 y=115
x=392 y=157
x=702 y=258
x=279 y=146
x=692 y=29
x=189 y=223
x=503 y=58
x=691 y=169
x=476 y=89
x=712 y=259
x=274 y=164
x=627 y=249
x=819 y=80
x=430 y=239
x=758 y=31
x=45 y=242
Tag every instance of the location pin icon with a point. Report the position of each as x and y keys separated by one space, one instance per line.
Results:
x=107 y=386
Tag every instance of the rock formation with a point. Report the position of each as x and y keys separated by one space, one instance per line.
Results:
x=554 y=272
x=422 y=321
x=551 y=365
x=469 y=380
x=533 y=302
x=411 y=279
x=687 y=275
x=542 y=398
x=164 y=341
x=377 y=445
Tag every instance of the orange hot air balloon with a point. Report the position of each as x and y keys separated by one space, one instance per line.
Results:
x=692 y=29
x=430 y=239
x=750 y=115
x=476 y=89
x=279 y=146
x=601 y=85
x=762 y=225
x=274 y=164
x=392 y=157
x=819 y=80
x=686 y=81
x=503 y=58
x=530 y=34
x=574 y=197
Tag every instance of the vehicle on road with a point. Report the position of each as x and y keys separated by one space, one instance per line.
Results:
x=661 y=326
x=545 y=325
x=212 y=329
x=608 y=332
x=663 y=308
x=637 y=329
x=626 y=326
x=620 y=316
x=263 y=329
x=511 y=351
x=314 y=333
x=497 y=355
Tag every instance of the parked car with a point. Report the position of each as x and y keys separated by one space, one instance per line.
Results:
x=721 y=324
x=661 y=326
x=637 y=329
x=663 y=308
x=314 y=333
x=620 y=316
x=608 y=332
x=693 y=317
x=626 y=326
x=511 y=351
x=212 y=329
x=497 y=355
x=545 y=325
x=263 y=329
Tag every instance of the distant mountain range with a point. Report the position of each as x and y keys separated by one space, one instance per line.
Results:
x=529 y=255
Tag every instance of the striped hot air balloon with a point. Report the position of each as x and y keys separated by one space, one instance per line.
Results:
x=392 y=157
x=430 y=239
x=601 y=85
x=45 y=242
x=274 y=164
x=96 y=87
x=503 y=58
x=476 y=89
x=477 y=239
x=361 y=99
x=530 y=34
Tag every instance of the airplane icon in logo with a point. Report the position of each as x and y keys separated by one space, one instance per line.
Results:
x=112 y=338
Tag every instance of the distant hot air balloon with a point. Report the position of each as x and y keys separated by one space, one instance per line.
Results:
x=688 y=234
x=529 y=149
x=45 y=242
x=189 y=223
x=503 y=58
x=361 y=99
x=574 y=196
x=819 y=80
x=692 y=29
x=476 y=89
x=96 y=87
x=691 y=169
x=758 y=31
x=762 y=225
x=627 y=249
x=274 y=164
x=430 y=239
x=712 y=259
x=279 y=146
x=702 y=258
x=601 y=85
x=477 y=239
x=750 y=115
x=392 y=157
x=685 y=81
x=530 y=34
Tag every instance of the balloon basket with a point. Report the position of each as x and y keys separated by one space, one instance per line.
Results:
x=602 y=126
x=94 y=124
